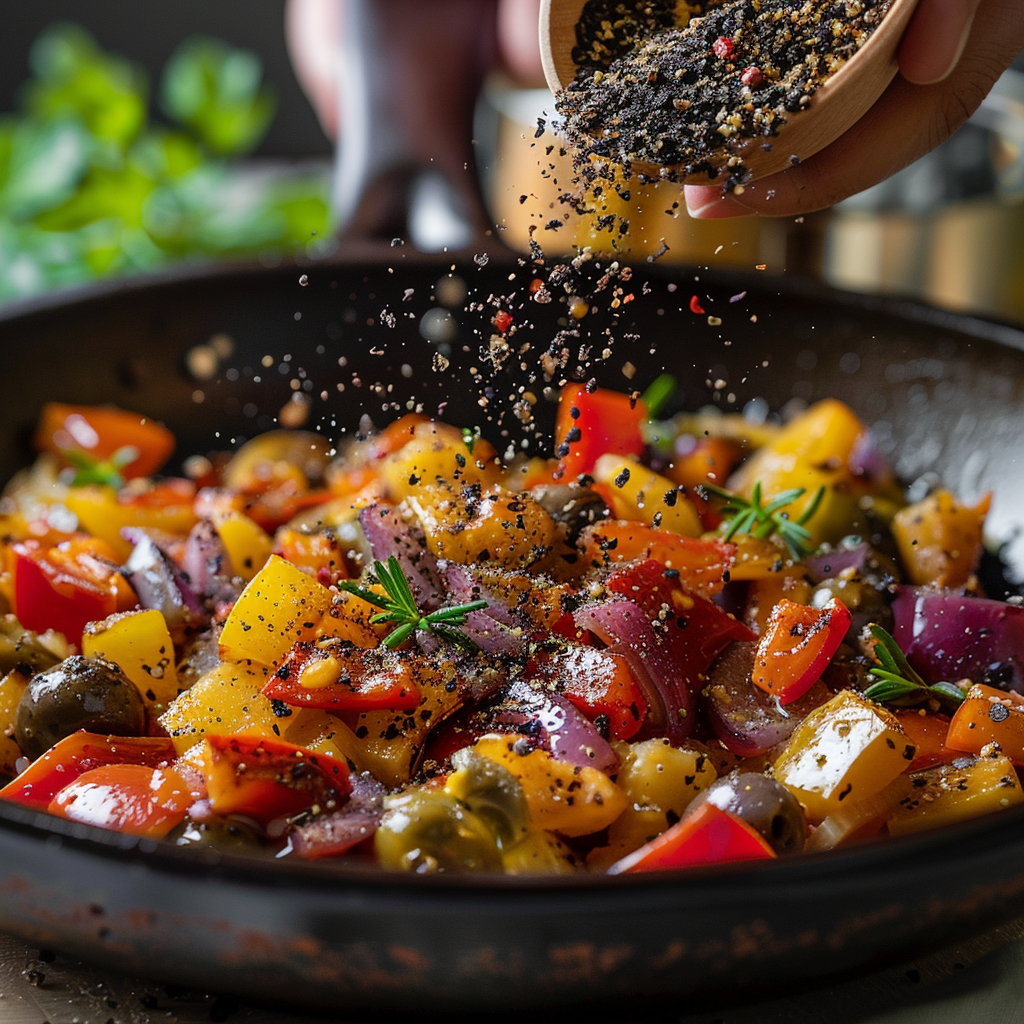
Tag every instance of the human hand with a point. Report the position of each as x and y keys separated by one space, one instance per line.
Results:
x=949 y=58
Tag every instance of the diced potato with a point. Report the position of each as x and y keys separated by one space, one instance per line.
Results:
x=280 y=606
x=248 y=545
x=948 y=793
x=496 y=525
x=641 y=495
x=562 y=797
x=12 y=686
x=141 y=644
x=939 y=539
x=848 y=749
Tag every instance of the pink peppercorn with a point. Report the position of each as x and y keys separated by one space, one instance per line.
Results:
x=752 y=77
x=723 y=47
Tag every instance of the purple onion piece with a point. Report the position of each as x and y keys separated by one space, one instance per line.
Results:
x=463 y=587
x=158 y=582
x=207 y=565
x=946 y=636
x=825 y=567
x=551 y=721
x=388 y=534
x=867 y=462
x=335 y=833
x=625 y=628
x=747 y=720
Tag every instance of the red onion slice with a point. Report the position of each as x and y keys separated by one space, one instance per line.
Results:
x=389 y=534
x=329 y=835
x=947 y=636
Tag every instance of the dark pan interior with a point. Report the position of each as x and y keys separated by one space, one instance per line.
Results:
x=943 y=393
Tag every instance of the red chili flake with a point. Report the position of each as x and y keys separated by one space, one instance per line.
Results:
x=723 y=47
x=696 y=307
x=502 y=320
x=535 y=285
x=752 y=77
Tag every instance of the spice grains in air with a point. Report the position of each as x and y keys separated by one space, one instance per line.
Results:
x=678 y=88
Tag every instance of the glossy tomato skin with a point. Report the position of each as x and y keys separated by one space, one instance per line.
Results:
x=130 y=798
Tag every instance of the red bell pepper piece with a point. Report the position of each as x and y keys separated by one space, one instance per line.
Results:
x=702 y=565
x=66 y=586
x=130 y=798
x=797 y=645
x=598 y=683
x=590 y=424
x=366 y=681
x=267 y=779
x=100 y=431
x=79 y=753
x=707 y=836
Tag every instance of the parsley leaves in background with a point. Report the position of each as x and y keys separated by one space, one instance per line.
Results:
x=90 y=187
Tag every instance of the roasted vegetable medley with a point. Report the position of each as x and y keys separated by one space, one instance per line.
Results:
x=674 y=642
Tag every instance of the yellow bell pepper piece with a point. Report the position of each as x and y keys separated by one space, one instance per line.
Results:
x=248 y=545
x=846 y=750
x=641 y=495
x=811 y=451
x=437 y=455
x=140 y=643
x=497 y=525
x=388 y=742
x=540 y=853
x=562 y=797
x=12 y=686
x=955 y=792
x=939 y=539
x=101 y=514
x=280 y=606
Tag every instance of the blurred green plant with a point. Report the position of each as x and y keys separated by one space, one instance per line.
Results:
x=90 y=187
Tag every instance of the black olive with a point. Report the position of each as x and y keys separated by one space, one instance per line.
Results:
x=79 y=693
x=764 y=804
x=572 y=507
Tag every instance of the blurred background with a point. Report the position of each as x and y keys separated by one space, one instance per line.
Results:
x=131 y=142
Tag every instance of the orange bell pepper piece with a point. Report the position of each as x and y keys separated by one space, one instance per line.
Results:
x=988 y=716
x=796 y=646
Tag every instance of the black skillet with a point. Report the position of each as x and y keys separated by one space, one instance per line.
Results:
x=944 y=393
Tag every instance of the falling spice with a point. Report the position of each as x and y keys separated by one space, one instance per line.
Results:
x=680 y=87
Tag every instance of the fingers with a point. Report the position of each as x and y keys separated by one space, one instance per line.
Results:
x=520 y=47
x=907 y=122
x=313 y=34
x=935 y=39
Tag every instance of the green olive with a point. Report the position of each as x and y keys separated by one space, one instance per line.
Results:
x=764 y=804
x=492 y=793
x=428 y=831
x=79 y=693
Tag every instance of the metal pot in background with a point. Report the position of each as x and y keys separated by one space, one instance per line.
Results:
x=948 y=230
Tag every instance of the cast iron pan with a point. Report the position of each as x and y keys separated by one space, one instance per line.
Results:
x=943 y=393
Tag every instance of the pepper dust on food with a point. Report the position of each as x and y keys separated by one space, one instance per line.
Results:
x=683 y=86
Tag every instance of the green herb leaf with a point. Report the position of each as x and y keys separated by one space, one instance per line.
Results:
x=660 y=390
x=760 y=520
x=898 y=683
x=398 y=605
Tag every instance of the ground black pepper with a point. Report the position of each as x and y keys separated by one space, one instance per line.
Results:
x=681 y=86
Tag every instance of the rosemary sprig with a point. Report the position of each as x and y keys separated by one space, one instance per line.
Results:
x=398 y=605
x=761 y=521
x=898 y=683
x=91 y=470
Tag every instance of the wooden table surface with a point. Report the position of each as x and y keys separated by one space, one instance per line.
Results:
x=981 y=980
